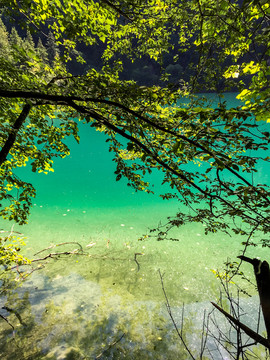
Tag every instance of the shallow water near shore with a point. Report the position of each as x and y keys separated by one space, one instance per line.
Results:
x=107 y=302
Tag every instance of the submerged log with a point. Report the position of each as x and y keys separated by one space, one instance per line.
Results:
x=262 y=274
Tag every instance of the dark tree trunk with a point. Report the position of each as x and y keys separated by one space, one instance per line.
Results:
x=262 y=273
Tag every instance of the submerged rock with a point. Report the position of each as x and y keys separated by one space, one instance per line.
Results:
x=63 y=353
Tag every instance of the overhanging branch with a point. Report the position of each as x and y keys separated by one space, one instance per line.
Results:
x=13 y=133
x=67 y=98
x=153 y=155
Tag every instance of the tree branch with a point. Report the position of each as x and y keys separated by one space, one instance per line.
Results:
x=179 y=333
x=119 y=11
x=18 y=316
x=154 y=156
x=6 y=320
x=67 y=99
x=109 y=347
x=13 y=133
x=70 y=101
x=258 y=338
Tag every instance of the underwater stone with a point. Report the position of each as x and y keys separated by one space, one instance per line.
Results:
x=62 y=353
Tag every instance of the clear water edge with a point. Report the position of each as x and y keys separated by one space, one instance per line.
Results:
x=104 y=290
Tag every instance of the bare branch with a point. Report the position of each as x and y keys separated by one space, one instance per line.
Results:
x=55 y=245
x=258 y=338
x=110 y=346
x=18 y=316
x=179 y=333
x=6 y=320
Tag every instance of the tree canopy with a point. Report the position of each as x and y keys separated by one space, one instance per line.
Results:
x=208 y=152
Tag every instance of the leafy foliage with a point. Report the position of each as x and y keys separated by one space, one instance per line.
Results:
x=208 y=153
x=10 y=246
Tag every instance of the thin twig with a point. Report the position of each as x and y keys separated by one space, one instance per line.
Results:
x=204 y=335
x=18 y=316
x=6 y=320
x=258 y=338
x=110 y=346
x=52 y=255
x=136 y=261
x=64 y=243
x=172 y=318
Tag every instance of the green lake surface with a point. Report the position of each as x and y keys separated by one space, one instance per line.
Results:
x=104 y=304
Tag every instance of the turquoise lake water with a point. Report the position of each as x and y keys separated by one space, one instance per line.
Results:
x=80 y=305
